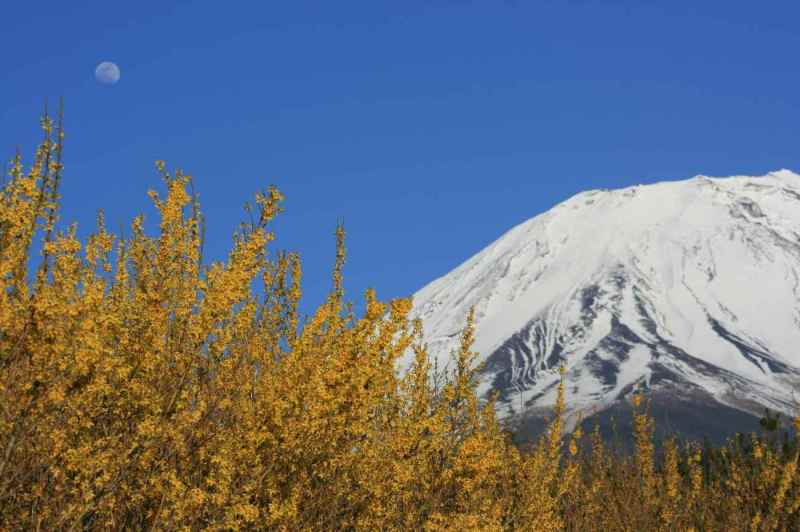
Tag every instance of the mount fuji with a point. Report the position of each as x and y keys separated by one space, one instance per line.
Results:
x=689 y=290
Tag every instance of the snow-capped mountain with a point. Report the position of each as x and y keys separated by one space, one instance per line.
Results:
x=690 y=289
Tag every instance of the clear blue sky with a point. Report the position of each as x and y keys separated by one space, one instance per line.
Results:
x=429 y=127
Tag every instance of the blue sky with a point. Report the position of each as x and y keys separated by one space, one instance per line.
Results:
x=429 y=128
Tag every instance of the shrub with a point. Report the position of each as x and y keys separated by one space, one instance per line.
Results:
x=143 y=389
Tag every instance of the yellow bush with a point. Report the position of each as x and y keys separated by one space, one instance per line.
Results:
x=143 y=389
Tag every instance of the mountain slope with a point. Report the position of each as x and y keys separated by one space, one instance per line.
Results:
x=690 y=289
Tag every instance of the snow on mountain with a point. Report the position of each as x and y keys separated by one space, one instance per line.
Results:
x=688 y=287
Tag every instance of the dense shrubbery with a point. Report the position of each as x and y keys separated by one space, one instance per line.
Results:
x=141 y=389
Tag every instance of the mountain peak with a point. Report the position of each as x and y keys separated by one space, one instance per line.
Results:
x=686 y=288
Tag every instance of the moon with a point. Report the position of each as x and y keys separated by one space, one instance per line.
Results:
x=106 y=73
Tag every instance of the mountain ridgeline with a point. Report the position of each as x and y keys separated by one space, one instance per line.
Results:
x=689 y=290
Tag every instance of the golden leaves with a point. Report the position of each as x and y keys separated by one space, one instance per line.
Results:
x=142 y=389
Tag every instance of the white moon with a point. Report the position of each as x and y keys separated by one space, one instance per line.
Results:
x=107 y=73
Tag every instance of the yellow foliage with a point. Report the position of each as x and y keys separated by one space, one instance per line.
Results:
x=143 y=389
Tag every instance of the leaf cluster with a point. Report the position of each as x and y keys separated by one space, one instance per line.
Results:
x=141 y=388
